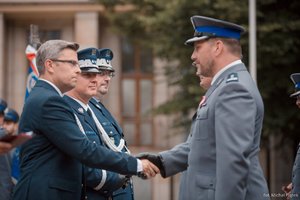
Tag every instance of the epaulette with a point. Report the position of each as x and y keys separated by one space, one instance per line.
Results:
x=233 y=77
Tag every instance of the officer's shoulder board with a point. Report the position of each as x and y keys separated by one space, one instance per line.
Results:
x=233 y=77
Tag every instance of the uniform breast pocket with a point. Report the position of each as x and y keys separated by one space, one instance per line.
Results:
x=92 y=136
x=112 y=132
x=200 y=131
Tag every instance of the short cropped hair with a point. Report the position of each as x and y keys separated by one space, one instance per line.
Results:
x=51 y=50
x=234 y=46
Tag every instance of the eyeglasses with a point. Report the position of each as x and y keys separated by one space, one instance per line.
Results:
x=74 y=63
x=106 y=73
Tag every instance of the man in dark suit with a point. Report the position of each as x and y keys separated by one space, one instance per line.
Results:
x=52 y=161
x=112 y=133
x=100 y=183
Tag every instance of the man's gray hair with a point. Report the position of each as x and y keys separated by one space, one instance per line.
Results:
x=51 y=50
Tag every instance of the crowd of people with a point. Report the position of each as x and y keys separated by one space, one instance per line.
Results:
x=79 y=151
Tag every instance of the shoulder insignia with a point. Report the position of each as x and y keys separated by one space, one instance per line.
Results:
x=233 y=77
x=80 y=110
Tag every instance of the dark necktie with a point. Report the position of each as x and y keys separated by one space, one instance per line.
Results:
x=89 y=113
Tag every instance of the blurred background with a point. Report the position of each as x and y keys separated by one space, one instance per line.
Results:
x=155 y=90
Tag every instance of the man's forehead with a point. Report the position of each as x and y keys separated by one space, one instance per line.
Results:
x=199 y=43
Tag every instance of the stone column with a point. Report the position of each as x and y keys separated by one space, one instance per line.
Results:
x=2 y=55
x=86 y=29
x=16 y=67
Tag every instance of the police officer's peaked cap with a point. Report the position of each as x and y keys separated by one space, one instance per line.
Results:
x=87 y=59
x=11 y=115
x=206 y=27
x=104 y=59
x=3 y=105
x=296 y=80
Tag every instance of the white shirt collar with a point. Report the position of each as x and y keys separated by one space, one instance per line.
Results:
x=224 y=69
x=96 y=99
x=54 y=86
x=85 y=106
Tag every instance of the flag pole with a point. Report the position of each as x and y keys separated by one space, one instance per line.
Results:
x=34 y=39
x=252 y=39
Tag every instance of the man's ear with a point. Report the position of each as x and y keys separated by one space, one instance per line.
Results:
x=49 y=66
x=218 y=47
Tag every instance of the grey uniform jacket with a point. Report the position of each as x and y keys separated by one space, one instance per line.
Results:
x=225 y=136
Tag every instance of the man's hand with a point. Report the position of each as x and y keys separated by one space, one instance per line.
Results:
x=149 y=169
x=287 y=189
x=155 y=159
x=5 y=147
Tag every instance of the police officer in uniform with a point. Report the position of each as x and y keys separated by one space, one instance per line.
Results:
x=100 y=183
x=11 y=119
x=6 y=184
x=3 y=106
x=224 y=142
x=4 y=146
x=112 y=133
x=293 y=189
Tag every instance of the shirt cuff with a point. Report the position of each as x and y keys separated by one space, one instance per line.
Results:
x=139 y=166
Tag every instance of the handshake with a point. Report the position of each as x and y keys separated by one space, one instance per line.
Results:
x=152 y=165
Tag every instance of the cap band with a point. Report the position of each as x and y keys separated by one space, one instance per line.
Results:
x=217 y=32
x=11 y=117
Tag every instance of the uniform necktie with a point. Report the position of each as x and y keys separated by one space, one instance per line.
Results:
x=202 y=102
x=89 y=113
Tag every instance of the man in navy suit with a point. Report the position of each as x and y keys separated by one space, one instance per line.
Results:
x=100 y=183
x=51 y=163
x=112 y=133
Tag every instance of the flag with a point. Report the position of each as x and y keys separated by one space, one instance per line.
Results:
x=33 y=73
x=31 y=80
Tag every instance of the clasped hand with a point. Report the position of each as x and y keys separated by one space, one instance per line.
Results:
x=149 y=169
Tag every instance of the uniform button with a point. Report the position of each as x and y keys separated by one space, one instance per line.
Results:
x=94 y=142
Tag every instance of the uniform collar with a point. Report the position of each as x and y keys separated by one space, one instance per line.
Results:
x=224 y=69
x=84 y=106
